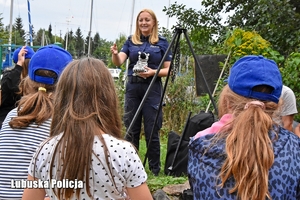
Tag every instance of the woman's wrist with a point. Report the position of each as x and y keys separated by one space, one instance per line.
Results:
x=154 y=71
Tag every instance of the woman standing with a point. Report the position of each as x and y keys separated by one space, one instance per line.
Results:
x=145 y=50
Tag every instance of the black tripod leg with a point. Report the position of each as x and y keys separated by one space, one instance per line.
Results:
x=179 y=143
x=149 y=88
x=198 y=64
x=177 y=37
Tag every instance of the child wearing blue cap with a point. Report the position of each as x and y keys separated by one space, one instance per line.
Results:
x=26 y=126
x=11 y=79
x=246 y=155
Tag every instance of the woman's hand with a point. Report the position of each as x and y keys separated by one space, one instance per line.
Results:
x=114 y=49
x=149 y=73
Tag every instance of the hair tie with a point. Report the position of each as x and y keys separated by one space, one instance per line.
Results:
x=255 y=103
x=42 y=89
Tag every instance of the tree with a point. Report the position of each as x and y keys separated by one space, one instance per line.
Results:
x=3 y=33
x=279 y=26
x=50 y=36
x=96 y=42
x=79 y=42
x=86 y=43
x=165 y=33
x=1 y=24
x=68 y=40
x=41 y=38
x=200 y=32
x=33 y=32
x=103 y=51
x=89 y=42
x=19 y=32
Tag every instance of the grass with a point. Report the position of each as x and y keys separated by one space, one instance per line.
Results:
x=158 y=182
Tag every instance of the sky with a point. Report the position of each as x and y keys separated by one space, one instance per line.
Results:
x=110 y=18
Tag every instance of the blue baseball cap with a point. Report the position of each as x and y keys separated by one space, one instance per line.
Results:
x=50 y=57
x=251 y=71
x=28 y=55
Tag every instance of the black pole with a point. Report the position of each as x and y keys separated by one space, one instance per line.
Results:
x=149 y=88
x=198 y=64
x=177 y=37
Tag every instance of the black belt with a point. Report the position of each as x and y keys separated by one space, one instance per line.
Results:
x=138 y=79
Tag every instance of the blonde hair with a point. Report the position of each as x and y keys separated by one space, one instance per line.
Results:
x=136 y=37
x=249 y=152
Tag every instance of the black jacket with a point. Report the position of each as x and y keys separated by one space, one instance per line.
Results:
x=9 y=86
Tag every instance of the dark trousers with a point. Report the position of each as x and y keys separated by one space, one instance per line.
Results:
x=135 y=92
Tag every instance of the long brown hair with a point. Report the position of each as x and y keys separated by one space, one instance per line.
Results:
x=86 y=105
x=249 y=152
x=136 y=37
x=35 y=105
x=25 y=68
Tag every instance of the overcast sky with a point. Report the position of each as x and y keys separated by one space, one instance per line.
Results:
x=109 y=18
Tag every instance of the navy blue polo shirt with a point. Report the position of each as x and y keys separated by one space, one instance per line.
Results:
x=156 y=52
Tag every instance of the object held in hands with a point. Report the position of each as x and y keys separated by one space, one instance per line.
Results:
x=141 y=63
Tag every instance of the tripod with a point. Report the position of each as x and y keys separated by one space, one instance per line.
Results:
x=175 y=41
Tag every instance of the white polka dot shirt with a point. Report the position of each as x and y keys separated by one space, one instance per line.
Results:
x=127 y=168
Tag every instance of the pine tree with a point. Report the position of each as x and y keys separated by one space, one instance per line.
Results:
x=19 y=32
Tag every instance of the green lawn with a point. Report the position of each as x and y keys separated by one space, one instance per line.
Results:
x=158 y=182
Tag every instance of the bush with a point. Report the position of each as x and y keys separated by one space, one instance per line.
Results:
x=290 y=76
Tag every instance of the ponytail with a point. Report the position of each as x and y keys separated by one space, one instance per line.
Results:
x=35 y=106
x=249 y=152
